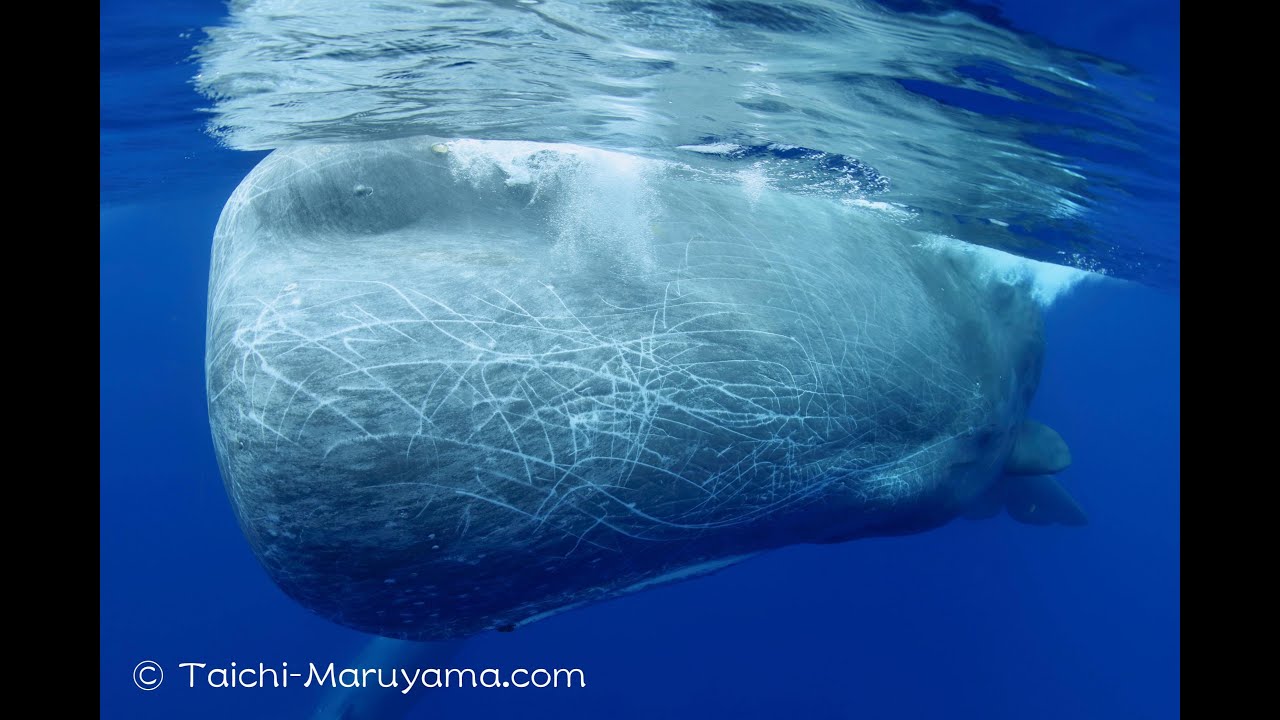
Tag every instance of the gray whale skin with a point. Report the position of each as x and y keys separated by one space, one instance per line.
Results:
x=446 y=399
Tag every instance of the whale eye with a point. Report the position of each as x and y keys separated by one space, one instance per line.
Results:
x=362 y=191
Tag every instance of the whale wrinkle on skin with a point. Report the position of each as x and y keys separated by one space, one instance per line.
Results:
x=521 y=377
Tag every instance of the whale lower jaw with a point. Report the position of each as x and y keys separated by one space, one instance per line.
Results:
x=686 y=573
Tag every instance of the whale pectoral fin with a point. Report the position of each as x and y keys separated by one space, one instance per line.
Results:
x=1037 y=450
x=1040 y=500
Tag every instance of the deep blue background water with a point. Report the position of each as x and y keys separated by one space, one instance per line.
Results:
x=986 y=619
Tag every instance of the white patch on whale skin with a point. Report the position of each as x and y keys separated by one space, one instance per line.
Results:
x=1048 y=281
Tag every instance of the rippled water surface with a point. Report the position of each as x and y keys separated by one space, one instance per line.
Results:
x=946 y=116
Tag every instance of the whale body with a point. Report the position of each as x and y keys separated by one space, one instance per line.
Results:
x=458 y=387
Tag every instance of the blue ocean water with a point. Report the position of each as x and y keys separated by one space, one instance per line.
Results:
x=977 y=619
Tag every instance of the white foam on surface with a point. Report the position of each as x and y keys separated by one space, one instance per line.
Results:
x=524 y=162
x=893 y=211
x=712 y=148
x=754 y=180
x=601 y=203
